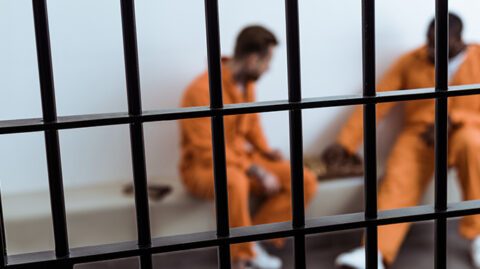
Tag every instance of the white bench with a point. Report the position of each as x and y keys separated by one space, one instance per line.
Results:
x=100 y=214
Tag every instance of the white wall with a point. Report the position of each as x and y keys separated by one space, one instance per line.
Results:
x=89 y=73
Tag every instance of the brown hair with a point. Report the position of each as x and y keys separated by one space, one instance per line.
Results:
x=253 y=39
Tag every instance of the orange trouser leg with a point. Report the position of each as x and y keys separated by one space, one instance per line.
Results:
x=278 y=207
x=465 y=155
x=199 y=181
x=408 y=172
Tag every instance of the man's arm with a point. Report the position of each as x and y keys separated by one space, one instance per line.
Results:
x=198 y=131
x=351 y=135
x=465 y=110
x=256 y=136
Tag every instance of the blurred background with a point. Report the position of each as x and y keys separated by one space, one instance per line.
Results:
x=88 y=66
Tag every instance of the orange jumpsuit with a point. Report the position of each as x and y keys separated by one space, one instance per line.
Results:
x=410 y=166
x=245 y=144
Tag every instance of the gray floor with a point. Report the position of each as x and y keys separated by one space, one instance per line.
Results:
x=417 y=252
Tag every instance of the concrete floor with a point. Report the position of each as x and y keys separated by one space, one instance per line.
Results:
x=417 y=252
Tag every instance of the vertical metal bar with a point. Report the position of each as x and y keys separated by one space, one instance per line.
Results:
x=296 y=136
x=441 y=139
x=3 y=244
x=218 y=133
x=136 y=129
x=57 y=199
x=369 y=131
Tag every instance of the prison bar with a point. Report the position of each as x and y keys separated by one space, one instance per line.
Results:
x=295 y=130
x=3 y=244
x=54 y=166
x=369 y=132
x=136 y=129
x=244 y=234
x=441 y=139
x=218 y=133
x=106 y=119
x=223 y=237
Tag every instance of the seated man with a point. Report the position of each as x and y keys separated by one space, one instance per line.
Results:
x=410 y=165
x=252 y=167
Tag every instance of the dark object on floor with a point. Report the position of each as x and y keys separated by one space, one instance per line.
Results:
x=156 y=192
x=350 y=167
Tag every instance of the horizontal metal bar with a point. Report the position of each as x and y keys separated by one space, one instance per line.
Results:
x=84 y=121
x=244 y=234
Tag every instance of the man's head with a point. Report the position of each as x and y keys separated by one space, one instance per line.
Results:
x=455 y=41
x=253 y=52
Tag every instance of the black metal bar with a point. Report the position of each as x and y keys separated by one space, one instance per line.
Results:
x=131 y=57
x=57 y=199
x=3 y=244
x=221 y=194
x=441 y=139
x=245 y=234
x=146 y=261
x=93 y=120
x=441 y=85
x=369 y=132
x=223 y=237
x=140 y=185
x=296 y=140
x=136 y=129
x=293 y=51
x=218 y=132
x=296 y=174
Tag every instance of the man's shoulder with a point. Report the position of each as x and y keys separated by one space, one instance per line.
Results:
x=474 y=45
x=419 y=53
x=475 y=48
x=196 y=91
x=411 y=58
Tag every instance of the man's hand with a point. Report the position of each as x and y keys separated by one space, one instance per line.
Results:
x=428 y=135
x=274 y=155
x=336 y=154
x=269 y=181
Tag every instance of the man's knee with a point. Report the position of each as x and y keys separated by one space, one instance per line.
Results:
x=467 y=139
x=237 y=181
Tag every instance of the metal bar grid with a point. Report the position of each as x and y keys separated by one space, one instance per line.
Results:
x=223 y=237
x=295 y=130
x=218 y=135
x=57 y=199
x=441 y=139
x=94 y=120
x=136 y=130
x=245 y=234
x=3 y=244
x=369 y=132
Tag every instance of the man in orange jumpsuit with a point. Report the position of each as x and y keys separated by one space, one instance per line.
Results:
x=252 y=166
x=410 y=165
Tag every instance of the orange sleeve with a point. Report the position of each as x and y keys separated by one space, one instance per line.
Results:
x=465 y=118
x=465 y=110
x=256 y=136
x=199 y=134
x=351 y=133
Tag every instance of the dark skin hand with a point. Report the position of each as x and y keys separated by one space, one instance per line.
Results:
x=274 y=155
x=336 y=154
x=428 y=135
